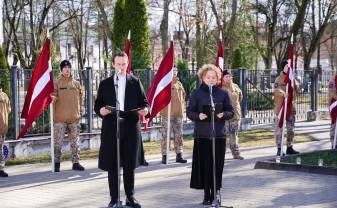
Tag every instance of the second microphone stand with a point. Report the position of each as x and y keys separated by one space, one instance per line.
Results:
x=119 y=203
x=216 y=202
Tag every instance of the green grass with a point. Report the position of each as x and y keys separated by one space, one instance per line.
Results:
x=259 y=137
x=329 y=158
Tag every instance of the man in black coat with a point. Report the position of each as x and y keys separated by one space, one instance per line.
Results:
x=128 y=91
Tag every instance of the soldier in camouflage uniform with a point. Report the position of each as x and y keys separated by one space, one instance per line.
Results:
x=176 y=119
x=232 y=125
x=5 y=108
x=279 y=95
x=67 y=105
x=332 y=98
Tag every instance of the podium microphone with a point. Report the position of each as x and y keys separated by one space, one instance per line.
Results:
x=210 y=87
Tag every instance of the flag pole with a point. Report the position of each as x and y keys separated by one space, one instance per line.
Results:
x=168 y=132
x=51 y=121
x=334 y=139
x=284 y=119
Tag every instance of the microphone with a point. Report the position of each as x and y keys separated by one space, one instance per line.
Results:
x=210 y=87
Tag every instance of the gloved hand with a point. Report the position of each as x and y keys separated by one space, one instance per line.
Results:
x=228 y=115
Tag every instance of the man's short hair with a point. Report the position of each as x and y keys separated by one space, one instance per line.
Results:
x=119 y=54
x=283 y=64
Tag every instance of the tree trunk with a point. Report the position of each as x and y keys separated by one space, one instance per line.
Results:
x=164 y=27
x=199 y=48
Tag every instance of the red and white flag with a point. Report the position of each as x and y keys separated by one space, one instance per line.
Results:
x=219 y=62
x=290 y=84
x=40 y=89
x=159 y=95
x=333 y=107
x=127 y=50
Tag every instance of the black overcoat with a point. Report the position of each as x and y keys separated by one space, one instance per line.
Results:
x=202 y=168
x=130 y=128
x=199 y=99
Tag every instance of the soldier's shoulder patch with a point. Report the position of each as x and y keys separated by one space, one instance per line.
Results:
x=276 y=85
x=330 y=84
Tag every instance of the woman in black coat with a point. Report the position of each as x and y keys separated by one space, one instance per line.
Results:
x=198 y=111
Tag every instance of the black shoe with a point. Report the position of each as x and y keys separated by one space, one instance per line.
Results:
x=144 y=163
x=3 y=174
x=78 y=166
x=163 y=159
x=132 y=202
x=57 y=167
x=206 y=202
x=180 y=159
x=112 y=204
x=291 y=151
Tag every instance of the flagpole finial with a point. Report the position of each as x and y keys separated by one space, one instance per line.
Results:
x=129 y=35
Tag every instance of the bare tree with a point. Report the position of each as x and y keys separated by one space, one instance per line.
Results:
x=164 y=27
x=310 y=38
x=185 y=27
x=27 y=27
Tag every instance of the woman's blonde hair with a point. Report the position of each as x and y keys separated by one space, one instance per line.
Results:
x=209 y=67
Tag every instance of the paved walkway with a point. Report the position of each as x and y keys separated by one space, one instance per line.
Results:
x=159 y=186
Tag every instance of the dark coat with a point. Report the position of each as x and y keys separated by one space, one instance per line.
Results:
x=199 y=99
x=129 y=126
x=202 y=168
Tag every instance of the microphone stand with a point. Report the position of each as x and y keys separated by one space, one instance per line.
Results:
x=215 y=203
x=119 y=203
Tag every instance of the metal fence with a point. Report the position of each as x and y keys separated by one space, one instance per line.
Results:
x=256 y=85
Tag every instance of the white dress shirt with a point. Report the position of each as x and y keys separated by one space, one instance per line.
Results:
x=121 y=83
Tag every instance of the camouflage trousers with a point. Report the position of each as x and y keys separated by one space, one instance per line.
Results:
x=2 y=161
x=177 y=129
x=290 y=125
x=73 y=135
x=332 y=133
x=232 y=128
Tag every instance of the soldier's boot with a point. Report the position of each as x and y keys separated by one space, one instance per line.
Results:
x=163 y=159
x=57 y=167
x=238 y=156
x=180 y=159
x=3 y=173
x=291 y=151
x=78 y=166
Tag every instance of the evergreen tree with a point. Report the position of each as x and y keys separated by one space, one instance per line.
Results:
x=137 y=21
x=4 y=72
x=119 y=25
x=237 y=59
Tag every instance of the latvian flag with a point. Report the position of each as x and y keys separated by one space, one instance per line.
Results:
x=40 y=89
x=219 y=61
x=290 y=84
x=127 y=50
x=159 y=95
x=333 y=106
